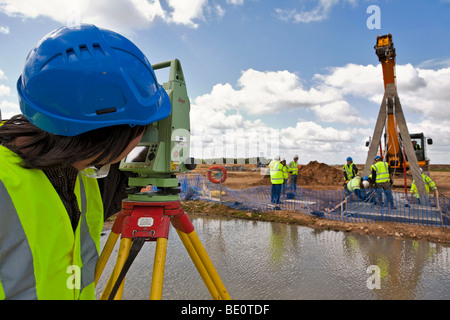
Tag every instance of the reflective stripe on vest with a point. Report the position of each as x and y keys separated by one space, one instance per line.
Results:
x=39 y=236
x=382 y=170
x=16 y=273
x=276 y=173
x=89 y=253
x=293 y=167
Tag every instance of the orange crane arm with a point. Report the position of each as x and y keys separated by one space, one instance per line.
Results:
x=385 y=51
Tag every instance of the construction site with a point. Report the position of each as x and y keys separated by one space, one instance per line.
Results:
x=315 y=195
x=246 y=194
x=321 y=191
x=313 y=199
x=250 y=175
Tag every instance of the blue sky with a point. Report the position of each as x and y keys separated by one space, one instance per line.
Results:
x=268 y=77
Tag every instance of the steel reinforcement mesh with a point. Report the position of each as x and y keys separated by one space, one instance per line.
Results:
x=330 y=204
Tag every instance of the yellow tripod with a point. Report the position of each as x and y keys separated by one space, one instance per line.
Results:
x=139 y=222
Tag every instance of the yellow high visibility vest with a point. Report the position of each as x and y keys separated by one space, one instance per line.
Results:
x=382 y=170
x=40 y=255
x=429 y=184
x=348 y=169
x=354 y=184
x=285 y=173
x=293 y=167
x=276 y=173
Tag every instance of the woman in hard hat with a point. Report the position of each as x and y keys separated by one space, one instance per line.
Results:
x=86 y=95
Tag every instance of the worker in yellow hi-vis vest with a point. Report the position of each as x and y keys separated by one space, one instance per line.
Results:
x=86 y=95
x=382 y=181
x=429 y=185
x=276 y=179
x=293 y=170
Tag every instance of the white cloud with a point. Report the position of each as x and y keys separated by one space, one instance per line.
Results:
x=421 y=91
x=236 y=2
x=268 y=92
x=4 y=90
x=4 y=30
x=339 y=111
x=435 y=63
x=2 y=75
x=120 y=15
x=219 y=11
x=123 y=16
x=8 y=109
x=185 y=12
x=274 y=93
x=319 y=13
x=426 y=93
x=356 y=80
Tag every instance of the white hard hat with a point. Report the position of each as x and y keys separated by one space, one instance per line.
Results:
x=277 y=158
x=283 y=159
x=366 y=184
x=296 y=156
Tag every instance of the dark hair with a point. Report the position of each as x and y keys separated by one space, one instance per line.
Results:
x=43 y=150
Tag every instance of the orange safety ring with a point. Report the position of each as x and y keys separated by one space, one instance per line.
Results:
x=222 y=174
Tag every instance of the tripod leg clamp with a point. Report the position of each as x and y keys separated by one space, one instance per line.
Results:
x=182 y=222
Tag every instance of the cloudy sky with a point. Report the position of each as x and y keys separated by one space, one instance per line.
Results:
x=269 y=77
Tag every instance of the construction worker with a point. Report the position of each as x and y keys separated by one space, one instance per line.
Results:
x=293 y=170
x=285 y=177
x=350 y=170
x=355 y=185
x=382 y=181
x=87 y=95
x=276 y=179
x=429 y=185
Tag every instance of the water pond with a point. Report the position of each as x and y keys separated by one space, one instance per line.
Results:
x=272 y=261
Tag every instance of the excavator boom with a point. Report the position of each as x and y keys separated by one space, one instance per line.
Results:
x=385 y=51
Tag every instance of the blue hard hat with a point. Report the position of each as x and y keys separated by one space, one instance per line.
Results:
x=377 y=158
x=83 y=78
x=349 y=159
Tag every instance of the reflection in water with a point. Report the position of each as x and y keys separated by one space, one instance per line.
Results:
x=262 y=260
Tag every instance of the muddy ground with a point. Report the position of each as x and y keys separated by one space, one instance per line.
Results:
x=319 y=176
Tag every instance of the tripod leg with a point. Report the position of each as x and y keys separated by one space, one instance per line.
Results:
x=158 y=269
x=124 y=250
x=203 y=255
x=109 y=246
x=104 y=256
x=199 y=265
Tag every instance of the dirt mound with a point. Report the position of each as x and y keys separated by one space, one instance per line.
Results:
x=314 y=173
x=319 y=174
